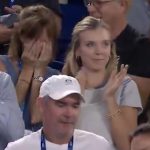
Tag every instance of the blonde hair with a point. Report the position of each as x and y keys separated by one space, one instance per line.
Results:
x=32 y=21
x=74 y=63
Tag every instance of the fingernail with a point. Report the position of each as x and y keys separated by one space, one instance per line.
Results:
x=122 y=65
x=126 y=66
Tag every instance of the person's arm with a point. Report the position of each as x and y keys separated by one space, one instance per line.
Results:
x=139 y=69
x=122 y=118
x=29 y=58
x=14 y=9
x=2 y=67
x=14 y=125
x=23 y=83
x=5 y=33
x=39 y=71
x=36 y=83
x=144 y=88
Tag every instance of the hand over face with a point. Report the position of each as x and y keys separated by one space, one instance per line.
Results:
x=45 y=54
x=37 y=53
x=13 y=9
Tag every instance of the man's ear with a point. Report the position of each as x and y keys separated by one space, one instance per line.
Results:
x=125 y=5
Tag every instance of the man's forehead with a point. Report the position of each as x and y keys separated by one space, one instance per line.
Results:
x=73 y=96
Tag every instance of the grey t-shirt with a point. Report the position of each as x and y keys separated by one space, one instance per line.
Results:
x=11 y=121
x=93 y=115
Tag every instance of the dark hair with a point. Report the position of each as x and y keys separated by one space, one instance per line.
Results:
x=140 y=130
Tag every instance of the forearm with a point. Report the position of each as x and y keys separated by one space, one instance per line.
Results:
x=120 y=128
x=34 y=111
x=5 y=34
x=23 y=83
x=143 y=87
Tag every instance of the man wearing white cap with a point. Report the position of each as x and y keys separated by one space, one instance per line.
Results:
x=59 y=101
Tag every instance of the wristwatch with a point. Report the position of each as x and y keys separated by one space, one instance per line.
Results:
x=39 y=78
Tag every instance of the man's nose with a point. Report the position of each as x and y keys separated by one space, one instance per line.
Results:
x=69 y=111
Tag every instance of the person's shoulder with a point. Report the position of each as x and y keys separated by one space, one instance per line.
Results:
x=138 y=38
x=128 y=84
x=128 y=81
x=91 y=137
x=4 y=78
x=135 y=36
x=24 y=142
x=51 y=71
x=3 y=75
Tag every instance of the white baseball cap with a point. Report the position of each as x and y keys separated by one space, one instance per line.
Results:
x=60 y=86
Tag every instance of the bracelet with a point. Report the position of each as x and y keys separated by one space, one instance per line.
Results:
x=25 y=81
x=115 y=114
x=39 y=78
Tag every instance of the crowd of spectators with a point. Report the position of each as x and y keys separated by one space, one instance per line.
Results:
x=107 y=56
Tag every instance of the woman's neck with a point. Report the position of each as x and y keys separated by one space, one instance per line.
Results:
x=95 y=79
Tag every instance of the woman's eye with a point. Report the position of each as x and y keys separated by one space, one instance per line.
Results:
x=90 y=44
x=107 y=43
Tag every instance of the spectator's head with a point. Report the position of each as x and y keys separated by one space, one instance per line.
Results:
x=51 y=4
x=59 y=102
x=55 y=7
x=91 y=47
x=111 y=11
x=36 y=23
x=140 y=138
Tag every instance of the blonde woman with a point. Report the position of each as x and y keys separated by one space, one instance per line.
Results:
x=112 y=98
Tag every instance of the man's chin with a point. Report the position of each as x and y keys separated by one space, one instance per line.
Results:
x=67 y=132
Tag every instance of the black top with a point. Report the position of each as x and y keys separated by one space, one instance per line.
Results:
x=134 y=50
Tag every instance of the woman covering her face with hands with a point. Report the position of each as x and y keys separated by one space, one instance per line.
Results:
x=112 y=100
x=30 y=52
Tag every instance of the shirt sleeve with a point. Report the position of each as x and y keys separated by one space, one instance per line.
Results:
x=128 y=94
x=11 y=121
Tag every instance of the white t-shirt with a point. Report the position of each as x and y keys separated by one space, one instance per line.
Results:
x=83 y=140
x=93 y=112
